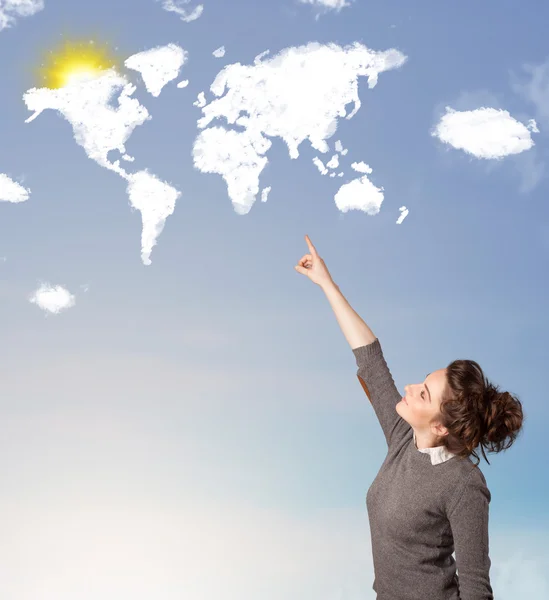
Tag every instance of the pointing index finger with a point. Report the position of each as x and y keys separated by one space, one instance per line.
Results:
x=310 y=244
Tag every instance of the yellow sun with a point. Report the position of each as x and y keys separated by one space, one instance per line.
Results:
x=75 y=61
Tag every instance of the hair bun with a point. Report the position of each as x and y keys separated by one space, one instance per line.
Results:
x=502 y=415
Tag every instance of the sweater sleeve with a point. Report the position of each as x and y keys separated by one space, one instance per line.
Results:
x=377 y=382
x=469 y=523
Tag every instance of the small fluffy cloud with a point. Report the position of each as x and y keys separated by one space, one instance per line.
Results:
x=360 y=194
x=200 y=100
x=361 y=167
x=485 y=132
x=320 y=165
x=265 y=194
x=339 y=148
x=334 y=162
x=336 y=5
x=179 y=8
x=403 y=214
x=11 y=9
x=220 y=52
x=11 y=191
x=158 y=66
x=52 y=299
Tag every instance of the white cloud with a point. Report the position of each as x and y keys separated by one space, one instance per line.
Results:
x=100 y=128
x=530 y=166
x=297 y=95
x=333 y=163
x=312 y=83
x=265 y=194
x=235 y=155
x=320 y=165
x=339 y=148
x=484 y=133
x=533 y=126
x=158 y=66
x=11 y=191
x=52 y=299
x=403 y=214
x=155 y=200
x=11 y=9
x=360 y=194
x=361 y=167
x=220 y=52
x=178 y=7
x=200 y=100
x=336 y=5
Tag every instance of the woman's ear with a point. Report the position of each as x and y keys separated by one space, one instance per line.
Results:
x=439 y=430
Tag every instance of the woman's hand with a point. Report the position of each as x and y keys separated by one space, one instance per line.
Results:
x=313 y=266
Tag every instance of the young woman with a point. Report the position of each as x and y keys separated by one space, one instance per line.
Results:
x=428 y=499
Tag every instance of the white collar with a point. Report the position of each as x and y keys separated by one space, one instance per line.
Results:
x=439 y=454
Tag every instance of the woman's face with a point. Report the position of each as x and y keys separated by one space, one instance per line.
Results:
x=420 y=406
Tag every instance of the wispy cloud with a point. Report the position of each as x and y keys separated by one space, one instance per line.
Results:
x=535 y=88
x=336 y=5
x=531 y=169
x=179 y=7
x=10 y=10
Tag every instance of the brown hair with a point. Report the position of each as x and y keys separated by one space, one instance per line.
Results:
x=475 y=412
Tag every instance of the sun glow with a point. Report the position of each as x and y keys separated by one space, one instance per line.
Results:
x=75 y=62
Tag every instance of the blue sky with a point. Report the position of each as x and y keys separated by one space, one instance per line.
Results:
x=196 y=424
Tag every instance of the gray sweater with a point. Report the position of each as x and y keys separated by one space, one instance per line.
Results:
x=422 y=506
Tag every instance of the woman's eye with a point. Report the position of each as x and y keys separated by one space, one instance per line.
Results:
x=422 y=394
